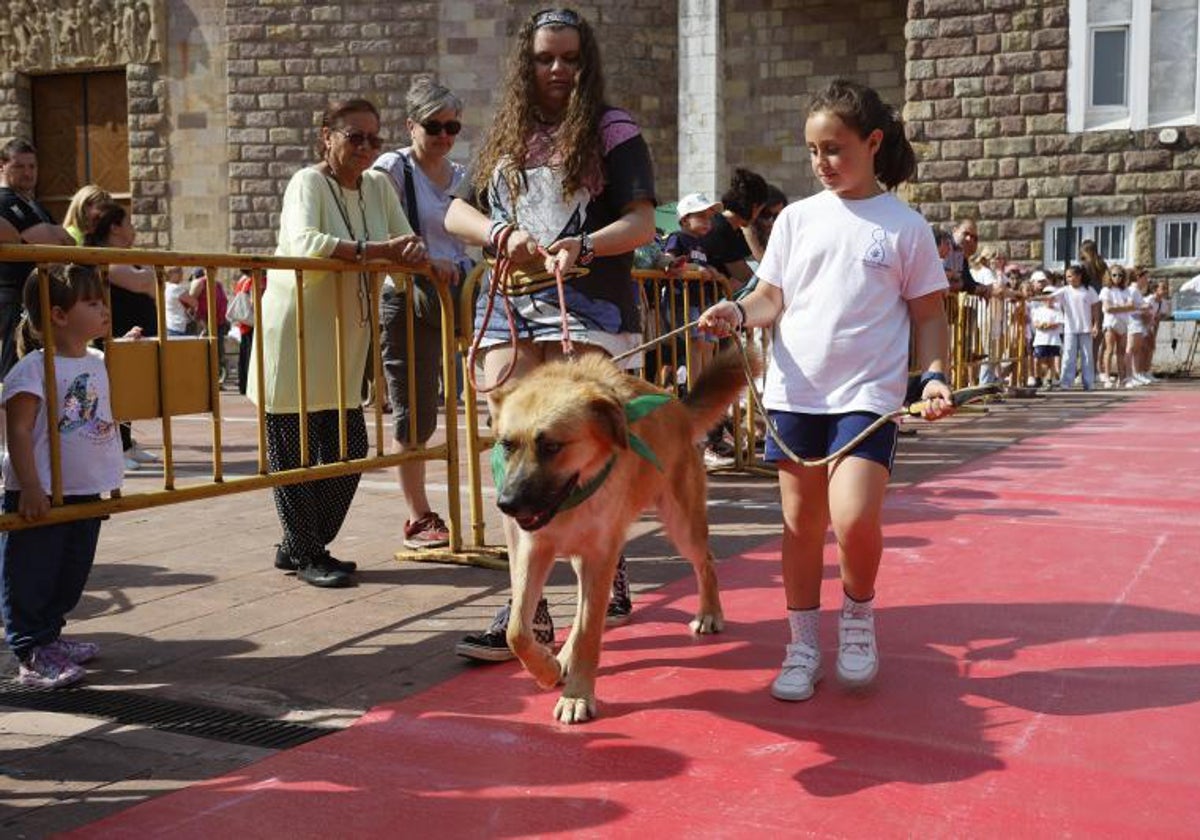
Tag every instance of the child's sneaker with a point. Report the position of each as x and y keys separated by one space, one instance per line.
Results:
x=48 y=667
x=429 y=531
x=800 y=675
x=76 y=651
x=858 y=656
x=620 y=605
x=492 y=644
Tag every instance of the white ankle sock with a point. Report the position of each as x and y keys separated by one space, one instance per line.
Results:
x=858 y=609
x=803 y=624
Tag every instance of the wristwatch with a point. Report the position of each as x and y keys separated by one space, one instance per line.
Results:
x=587 y=253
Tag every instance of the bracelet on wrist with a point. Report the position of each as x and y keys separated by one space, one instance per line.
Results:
x=741 y=313
x=587 y=252
x=496 y=232
x=932 y=376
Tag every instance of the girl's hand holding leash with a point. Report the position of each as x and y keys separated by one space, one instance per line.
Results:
x=521 y=247
x=937 y=400
x=563 y=254
x=722 y=318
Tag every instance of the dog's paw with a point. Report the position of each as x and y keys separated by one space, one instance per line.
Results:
x=706 y=623
x=574 y=709
x=549 y=672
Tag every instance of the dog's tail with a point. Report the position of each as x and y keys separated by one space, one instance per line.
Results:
x=718 y=385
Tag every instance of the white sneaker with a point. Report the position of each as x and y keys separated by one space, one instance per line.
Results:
x=1109 y=383
x=1132 y=383
x=132 y=464
x=1144 y=378
x=141 y=455
x=801 y=672
x=858 y=656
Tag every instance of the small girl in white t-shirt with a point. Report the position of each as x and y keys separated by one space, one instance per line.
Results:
x=846 y=275
x=1117 y=306
x=46 y=567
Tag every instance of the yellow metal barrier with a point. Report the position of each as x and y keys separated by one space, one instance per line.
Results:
x=185 y=377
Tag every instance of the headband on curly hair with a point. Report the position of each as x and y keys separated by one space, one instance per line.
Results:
x=556 y=17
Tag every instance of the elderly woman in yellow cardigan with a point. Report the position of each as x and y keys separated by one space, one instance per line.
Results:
x=338 y=208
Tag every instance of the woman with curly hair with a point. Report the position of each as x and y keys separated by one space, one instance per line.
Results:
x=563 y=180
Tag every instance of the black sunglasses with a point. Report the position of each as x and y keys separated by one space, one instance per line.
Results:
x=433 y=127
x=359 y=139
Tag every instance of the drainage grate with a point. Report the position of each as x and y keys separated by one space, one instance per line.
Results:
x=164 y=715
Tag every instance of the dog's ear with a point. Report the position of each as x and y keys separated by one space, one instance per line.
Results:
x=499 y=395
x=609 y=419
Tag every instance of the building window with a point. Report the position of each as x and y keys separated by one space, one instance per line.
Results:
x=1178 y=240
x=1111 y=235
x=1133 y=64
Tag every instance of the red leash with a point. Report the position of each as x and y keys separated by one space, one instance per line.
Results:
x=498 y=285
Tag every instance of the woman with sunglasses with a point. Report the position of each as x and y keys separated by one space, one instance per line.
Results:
x=425 y=179
x=562 y=180
x=341 y=209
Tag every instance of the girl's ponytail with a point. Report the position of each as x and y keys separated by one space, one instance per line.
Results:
x=895 y=162
x=27 y=337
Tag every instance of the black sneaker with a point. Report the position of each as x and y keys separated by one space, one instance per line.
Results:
x=620 y=606
x=287 y=562
x=492 y=644
x=324 y=572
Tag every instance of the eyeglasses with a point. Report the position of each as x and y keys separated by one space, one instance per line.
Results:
x=358 y=139
x=434 y=127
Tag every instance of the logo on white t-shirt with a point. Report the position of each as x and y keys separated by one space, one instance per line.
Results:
x=877 y=251
x=81 y=406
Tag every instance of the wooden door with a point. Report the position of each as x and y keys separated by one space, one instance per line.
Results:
x=81 y=131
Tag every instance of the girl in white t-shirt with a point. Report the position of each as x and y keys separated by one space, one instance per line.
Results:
x=46 y=567
x=847 y=274
x=1116 y=304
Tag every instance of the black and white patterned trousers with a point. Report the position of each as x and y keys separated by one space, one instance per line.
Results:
x=312 y=512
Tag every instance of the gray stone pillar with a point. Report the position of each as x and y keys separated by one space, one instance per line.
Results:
x=701 y=140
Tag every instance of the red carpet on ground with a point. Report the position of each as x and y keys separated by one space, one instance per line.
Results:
x=1039 y=626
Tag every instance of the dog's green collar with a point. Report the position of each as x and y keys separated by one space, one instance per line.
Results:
x=635 y=409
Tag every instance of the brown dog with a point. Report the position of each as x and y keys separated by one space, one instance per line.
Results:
x=577 y=472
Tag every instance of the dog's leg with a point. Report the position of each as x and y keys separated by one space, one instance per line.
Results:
x=685 y=519
x=528 y=573
x=581 y=655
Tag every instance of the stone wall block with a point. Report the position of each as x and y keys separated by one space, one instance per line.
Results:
x=1147 y=161
x=1009 y=188
x=984 y=168
x=1097 y=184
x=974 y=65
x=962 y=149
x=966 y=190
x=1051 y=187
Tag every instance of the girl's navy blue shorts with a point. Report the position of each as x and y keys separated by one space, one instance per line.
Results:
x=816 y=435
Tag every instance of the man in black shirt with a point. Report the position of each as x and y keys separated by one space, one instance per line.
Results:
x=18 y=177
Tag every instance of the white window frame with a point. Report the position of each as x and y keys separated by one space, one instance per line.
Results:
x=1081 y=116
x=1160 y=238
x=1088 y=226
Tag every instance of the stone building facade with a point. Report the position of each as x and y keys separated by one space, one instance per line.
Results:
x=224 y=96
x=987 y=108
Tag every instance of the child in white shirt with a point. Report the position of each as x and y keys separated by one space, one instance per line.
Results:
x=46 y=567
x=1081 y=314
x=845 y=276
x=1047 y=319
